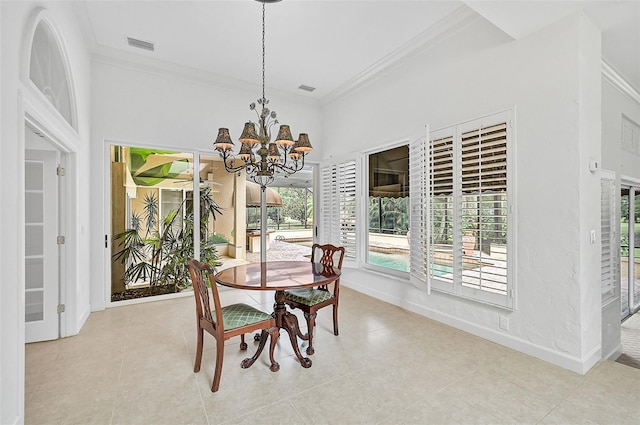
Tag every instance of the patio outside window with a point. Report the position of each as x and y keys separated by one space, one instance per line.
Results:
x=388 y=209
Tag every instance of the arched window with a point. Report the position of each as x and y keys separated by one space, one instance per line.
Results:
x=48 y=71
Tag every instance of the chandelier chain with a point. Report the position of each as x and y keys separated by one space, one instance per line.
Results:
x=263 y=50
x=261 y=159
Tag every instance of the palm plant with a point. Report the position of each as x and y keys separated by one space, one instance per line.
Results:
x=159 y=257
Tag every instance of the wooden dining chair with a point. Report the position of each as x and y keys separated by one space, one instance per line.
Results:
x=227 y=322
x=310 y=300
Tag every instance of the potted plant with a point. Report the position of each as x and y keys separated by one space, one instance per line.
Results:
x=468 y=239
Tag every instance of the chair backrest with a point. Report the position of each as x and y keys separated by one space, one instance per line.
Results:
x=203 y=303
x=328 y=255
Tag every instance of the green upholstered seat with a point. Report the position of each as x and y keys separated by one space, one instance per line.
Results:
x=308 y=296
x=238 y=315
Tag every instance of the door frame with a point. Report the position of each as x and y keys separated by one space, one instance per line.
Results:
x=66 y=218
x=630 y=183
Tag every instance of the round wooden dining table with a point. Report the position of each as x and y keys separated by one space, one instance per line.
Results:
x=279 y=276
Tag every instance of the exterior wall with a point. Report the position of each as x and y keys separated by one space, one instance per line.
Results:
x=158 y=105
x=548 y=79
x=17 y=20
x=615 y=104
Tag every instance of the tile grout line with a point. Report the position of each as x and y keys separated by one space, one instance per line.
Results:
x=124 y=351
x=195 y=380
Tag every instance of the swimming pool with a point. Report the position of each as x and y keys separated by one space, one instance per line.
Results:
x=397 y=261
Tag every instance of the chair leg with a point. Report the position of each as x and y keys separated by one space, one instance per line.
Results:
x=311 y=323
x=335 y=319
x=196 y=366
x=218 y=370
x=243 y=345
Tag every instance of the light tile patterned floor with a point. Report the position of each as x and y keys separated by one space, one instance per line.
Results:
x=630 y=338
x=134 y=365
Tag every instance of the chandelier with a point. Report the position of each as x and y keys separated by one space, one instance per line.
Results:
x=258 y=156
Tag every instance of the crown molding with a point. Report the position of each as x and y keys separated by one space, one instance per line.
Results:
x=443 y=29
x=144 y=63
x=619 y=82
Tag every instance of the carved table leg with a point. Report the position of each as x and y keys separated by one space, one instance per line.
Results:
x=263 y=340
x=289 y=322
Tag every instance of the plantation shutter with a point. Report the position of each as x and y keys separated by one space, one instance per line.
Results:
x=329 y=206
x=441 y=211
x=419 y=212
x=468 y=210
x=338 y=206
x=484 y=159
x=483 y=210
x=607 y=236
x=347 y=200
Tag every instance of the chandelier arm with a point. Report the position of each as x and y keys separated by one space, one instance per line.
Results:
x=288 y=169
x=228 y=161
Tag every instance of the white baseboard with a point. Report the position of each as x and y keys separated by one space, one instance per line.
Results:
x=614 y=354
x=574 y=364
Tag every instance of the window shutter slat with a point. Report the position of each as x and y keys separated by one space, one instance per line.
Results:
x=468 y=204
x=607 y=238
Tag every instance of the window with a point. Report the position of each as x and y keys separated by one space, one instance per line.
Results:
x=461 y=245
x=48 y=71
x=388 y=209
x=338 y=206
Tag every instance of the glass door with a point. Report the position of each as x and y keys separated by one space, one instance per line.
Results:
x=630 y=250
x=151 y=226
x=155 y=223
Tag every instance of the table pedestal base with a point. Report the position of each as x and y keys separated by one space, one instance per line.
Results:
x=273 y=332
x=289 y=322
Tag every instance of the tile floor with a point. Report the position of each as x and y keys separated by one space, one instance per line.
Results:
x=134 y=365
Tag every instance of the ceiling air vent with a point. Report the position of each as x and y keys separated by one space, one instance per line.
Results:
x=145 y=45
x=306 y=88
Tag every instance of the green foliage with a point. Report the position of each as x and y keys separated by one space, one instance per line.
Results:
x=296 y=203
x=389 y=215
x=624 y=208
x=160 y=256
x=216 y=239
x=150 y=208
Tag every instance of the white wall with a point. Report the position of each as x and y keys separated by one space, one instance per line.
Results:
x=551 y=80
x=615 y=104
x=155 y=104
x=17 y=24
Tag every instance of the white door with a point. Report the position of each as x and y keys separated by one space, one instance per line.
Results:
x=41 y=245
